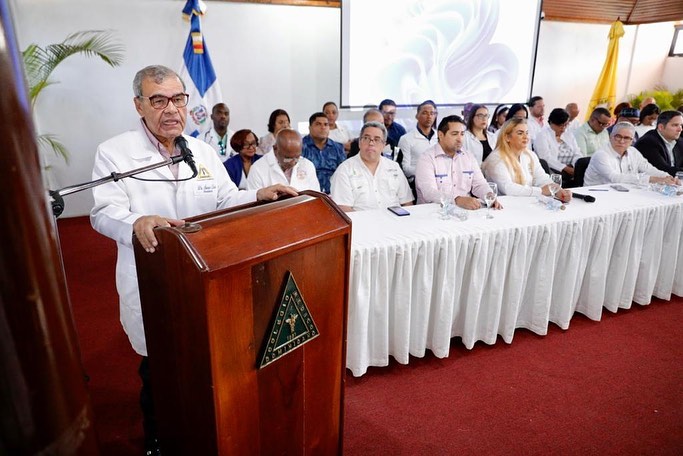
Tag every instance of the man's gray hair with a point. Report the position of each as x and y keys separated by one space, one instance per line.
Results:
x=621 y=126
x=371 y=111
x=157 y=73
x=375 y=125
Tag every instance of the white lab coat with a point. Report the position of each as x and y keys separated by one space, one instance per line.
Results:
x=266 y=172
x=119 y=204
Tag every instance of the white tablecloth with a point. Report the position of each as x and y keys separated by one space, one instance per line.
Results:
x=417 y=281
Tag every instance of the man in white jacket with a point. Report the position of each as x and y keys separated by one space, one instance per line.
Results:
x=285 y=165
x=133 y=206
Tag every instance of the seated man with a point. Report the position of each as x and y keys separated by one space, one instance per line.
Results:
x=394 y=130
x=325 y=154
x=663 y=146
x=219 y=135
x=619 y=162
x=630 y=115
x=446 y=167
x=369 y=180
x=391 y=151
x=284 y=166
x=592 y=136
x=414 y=142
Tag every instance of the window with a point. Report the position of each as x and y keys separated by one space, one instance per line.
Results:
x=677 y=43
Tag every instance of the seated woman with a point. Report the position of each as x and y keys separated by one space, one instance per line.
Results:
x=278 y=120
x=515 y=168
x=558 y=147
x=518 y=111
x=337 y=132
x=648 y=119
x=478 y=141
x=498 y=118
x=244 y=142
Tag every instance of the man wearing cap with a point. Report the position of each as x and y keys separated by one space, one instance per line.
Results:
x=631 y=115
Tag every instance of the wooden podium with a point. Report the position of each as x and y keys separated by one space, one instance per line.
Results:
x=230 y=292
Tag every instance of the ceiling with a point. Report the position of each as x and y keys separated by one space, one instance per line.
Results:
x=600 y=11
x=606 y=11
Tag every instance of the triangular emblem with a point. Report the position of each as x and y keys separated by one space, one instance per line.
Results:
x=203 y=173
x=292 y=326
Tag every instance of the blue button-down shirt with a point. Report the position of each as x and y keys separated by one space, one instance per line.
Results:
x=325 y=160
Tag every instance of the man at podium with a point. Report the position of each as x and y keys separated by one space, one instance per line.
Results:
x=158 y=198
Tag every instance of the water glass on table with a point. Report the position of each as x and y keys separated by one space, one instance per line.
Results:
x=490 y=198
x=446 y=200
x=556 y=184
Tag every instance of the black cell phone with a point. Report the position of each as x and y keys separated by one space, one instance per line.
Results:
x=398 y=210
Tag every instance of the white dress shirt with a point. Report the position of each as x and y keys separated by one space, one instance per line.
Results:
x=533 y=176
x=340 y=134
x=413 y=144
x=607 y=166
x=354 y=185
x=267 y=171
x=535 y=126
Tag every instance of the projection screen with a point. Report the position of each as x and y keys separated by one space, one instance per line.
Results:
x=449 y=51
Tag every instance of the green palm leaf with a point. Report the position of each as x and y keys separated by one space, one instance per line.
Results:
x=51 y=141
x=41 y=62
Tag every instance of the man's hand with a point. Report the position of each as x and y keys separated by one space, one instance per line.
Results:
x=569 y=170
x=497 y=205
x=669 y=180
x=144 y=229
x=468 y=202
x=274 y=192
x=564 y=195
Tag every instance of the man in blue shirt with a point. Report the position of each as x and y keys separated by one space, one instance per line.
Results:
x=325 y=154
x=394 y=130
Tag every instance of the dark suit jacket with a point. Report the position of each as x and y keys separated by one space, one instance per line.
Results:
x=652 y=146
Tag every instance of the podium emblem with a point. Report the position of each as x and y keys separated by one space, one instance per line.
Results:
x=292 y=326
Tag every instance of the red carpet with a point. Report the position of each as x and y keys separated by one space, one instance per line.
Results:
x=609 y=387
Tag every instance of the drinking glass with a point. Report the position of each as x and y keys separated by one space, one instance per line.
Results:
x=490 y=198
x=446 y=200
x=556 y=184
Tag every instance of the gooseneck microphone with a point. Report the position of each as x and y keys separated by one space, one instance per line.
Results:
x=586 y=198
x=186 y=153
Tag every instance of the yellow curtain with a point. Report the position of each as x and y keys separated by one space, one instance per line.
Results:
x=605 y=93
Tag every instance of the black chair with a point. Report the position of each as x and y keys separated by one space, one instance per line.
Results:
x=579 y=170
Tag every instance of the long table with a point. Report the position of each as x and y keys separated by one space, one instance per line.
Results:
x=418 y=281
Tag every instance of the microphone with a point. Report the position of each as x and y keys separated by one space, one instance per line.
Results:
x=586 y=198
x=186 y=153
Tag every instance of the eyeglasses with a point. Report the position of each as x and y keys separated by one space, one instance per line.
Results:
x=389 y=113
x=160 y=101
x=370 y=140
x=602 y=124
x=620 y=138
x=248 y=145
x=481 y=116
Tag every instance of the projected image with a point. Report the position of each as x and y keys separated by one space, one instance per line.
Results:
x=451 y=51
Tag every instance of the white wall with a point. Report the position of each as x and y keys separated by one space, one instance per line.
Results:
x=267 y=57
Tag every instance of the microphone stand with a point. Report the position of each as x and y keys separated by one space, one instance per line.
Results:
x=57 y=195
